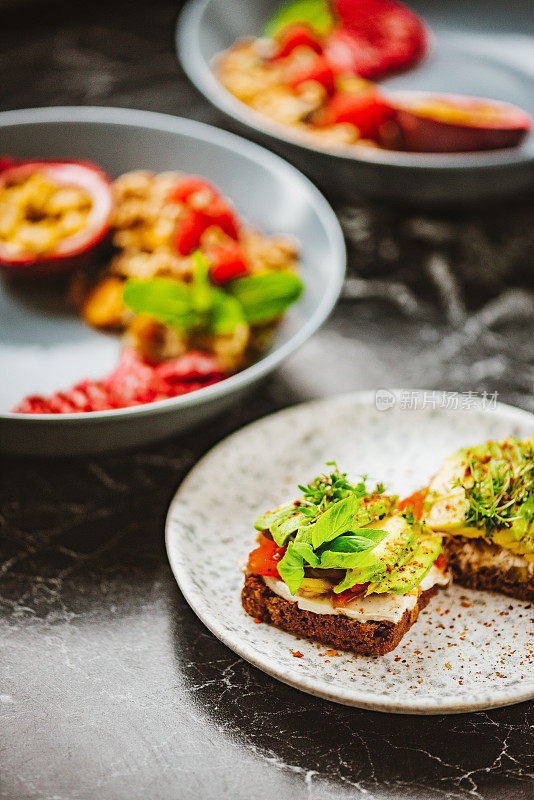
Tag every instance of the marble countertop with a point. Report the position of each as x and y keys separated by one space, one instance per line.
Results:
x=110 y=687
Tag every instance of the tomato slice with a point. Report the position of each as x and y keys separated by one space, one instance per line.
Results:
x=264 y=559
x=441 y=562
x=415 y=502
x=340 y=600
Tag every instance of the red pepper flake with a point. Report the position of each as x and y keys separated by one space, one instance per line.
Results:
x=296 y=653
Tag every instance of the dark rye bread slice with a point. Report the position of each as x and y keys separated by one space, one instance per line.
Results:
x=464 y=561
x=364 y=638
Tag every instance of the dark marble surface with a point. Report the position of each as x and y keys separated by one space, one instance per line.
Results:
x=110 y=687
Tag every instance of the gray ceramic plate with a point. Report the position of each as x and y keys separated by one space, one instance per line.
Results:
x=484 y=48
x=468 y=650
x=43 y=348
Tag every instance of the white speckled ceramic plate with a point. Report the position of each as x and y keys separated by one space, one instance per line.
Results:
x=467 y=651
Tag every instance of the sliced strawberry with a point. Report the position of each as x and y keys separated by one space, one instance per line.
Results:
x=190 y=186
x=220 y=213
x=191 y=227
x=188 y=231
x=227 y=262
x=367 y=111
x=296 y=35
x=376 y=38
x=320 y=71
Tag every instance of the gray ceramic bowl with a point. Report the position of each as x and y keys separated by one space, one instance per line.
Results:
x=43 y=348
x=482 y=49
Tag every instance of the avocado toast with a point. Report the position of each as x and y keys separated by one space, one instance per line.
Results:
x=342 y=566
x=482 y=500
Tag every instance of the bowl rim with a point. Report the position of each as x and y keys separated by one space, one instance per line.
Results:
x=254 y=152
x=202 y=76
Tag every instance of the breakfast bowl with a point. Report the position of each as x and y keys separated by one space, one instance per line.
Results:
x=482 y=57
x=47 y=348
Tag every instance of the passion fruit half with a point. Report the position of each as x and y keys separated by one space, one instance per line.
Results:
x=447 y=123
x=53 y=214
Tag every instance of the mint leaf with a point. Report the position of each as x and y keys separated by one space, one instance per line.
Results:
x=225 y=313
x=185 y=307
x=291 y=568
x=265 y=297
x=314 y=12
x=337 y=519
x=166 y=300
x=200 y=290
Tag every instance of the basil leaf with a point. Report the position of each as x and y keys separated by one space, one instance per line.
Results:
x=266 y=296
x=307 y=552
x=345 y=551
x=336 y=520
x=291 y=568
x=356 y=541
x=315 y=12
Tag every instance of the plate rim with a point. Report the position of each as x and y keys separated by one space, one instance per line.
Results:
x=255 y=152
x=202 y=77
x=424 y=706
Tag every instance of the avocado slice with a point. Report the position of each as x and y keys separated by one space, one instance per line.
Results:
x=406 y=577
x=392 y=550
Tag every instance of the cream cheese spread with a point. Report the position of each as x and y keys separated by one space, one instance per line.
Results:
x=374 y=607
